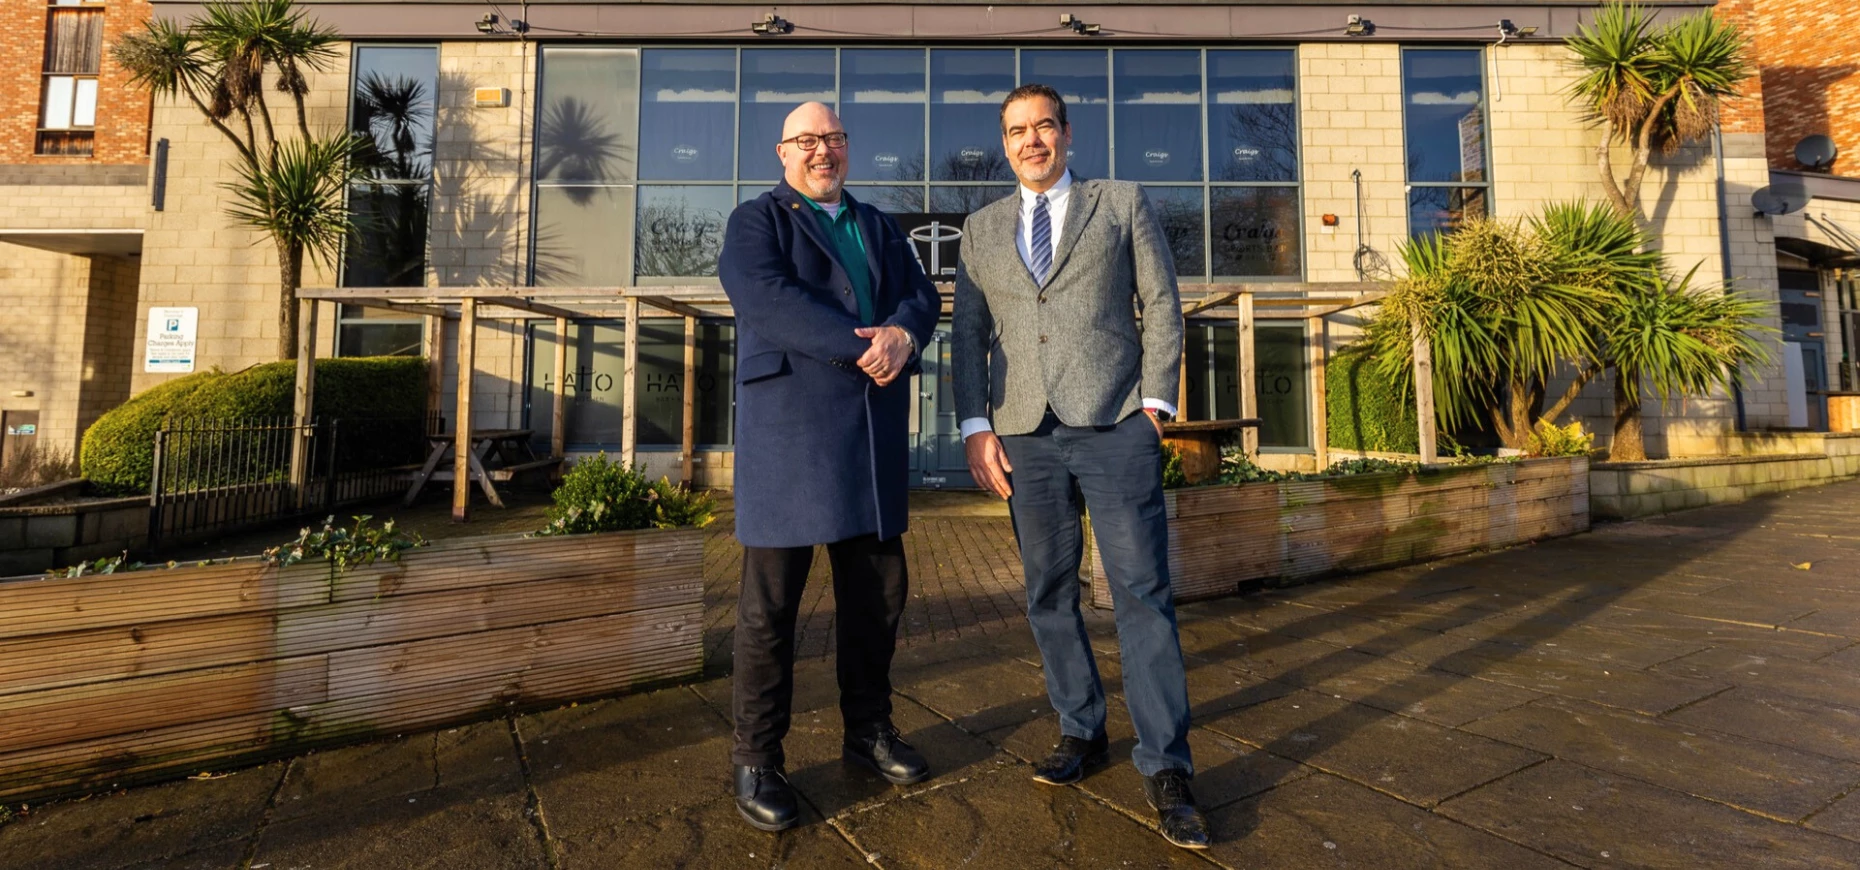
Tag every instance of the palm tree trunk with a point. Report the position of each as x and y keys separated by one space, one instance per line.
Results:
x=291 y=274
x=1628 y=445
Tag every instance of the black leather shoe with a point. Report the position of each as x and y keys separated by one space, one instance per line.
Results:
x=1068 y=761
x=765 y=798
x=881 y=749
x=1182 y=823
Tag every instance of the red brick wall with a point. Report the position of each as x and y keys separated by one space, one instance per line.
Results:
x=122 y=111
x=1745 y=114
x=1810 y=58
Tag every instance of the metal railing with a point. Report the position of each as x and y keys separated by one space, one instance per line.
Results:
x=212 y=477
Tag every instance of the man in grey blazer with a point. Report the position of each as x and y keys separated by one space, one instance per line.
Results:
x=1060 y=390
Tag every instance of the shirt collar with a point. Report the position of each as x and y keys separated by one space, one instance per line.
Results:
x=846 y=202
x=1053 y=194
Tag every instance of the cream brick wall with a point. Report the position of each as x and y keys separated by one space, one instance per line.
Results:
x=193 y=255
x=73 y=207
x=1350 y=118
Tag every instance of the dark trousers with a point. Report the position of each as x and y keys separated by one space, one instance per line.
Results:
x=1118 y=469
x=870 y=586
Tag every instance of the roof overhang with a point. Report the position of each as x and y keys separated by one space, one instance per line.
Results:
x=113 y=243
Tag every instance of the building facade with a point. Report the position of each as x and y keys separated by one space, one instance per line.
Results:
x=1287 y=148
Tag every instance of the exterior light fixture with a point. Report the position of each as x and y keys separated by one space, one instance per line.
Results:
x=772 y=25
x=487 y=24
x=1357 y=25
x=1507 y=30
x=1067 y=19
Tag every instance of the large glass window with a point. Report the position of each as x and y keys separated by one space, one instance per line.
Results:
x=1254 y=208
x=1443 y=104
x=687 y=115
x=966 y=90
x=1083 y=79
x=1158 y=115
x=883 y=100
x=392 y=106
x=587 y=157
x=776 y=80
x=1281 y=387
x=680 y=230
x=595 y=379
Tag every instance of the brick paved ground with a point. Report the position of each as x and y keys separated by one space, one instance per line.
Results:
x=1676 y=693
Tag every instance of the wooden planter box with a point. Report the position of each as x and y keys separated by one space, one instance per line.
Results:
x=115 y=678
x=1283 y=533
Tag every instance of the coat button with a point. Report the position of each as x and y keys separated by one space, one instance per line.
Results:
x=1042 y=339
x=845 y=292
x=1042 y=300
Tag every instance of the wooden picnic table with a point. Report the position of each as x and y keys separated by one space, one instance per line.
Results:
x=510 y=448
x=1199 y=443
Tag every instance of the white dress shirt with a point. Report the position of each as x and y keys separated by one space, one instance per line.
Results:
x=1057 y=197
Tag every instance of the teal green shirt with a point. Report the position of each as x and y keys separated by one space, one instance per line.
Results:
x=849 y=249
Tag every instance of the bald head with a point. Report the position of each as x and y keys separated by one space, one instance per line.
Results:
x=818 y=172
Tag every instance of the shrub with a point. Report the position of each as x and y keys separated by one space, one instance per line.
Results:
x=118 y=451
x=1172 y=475
x=345 y=548
x=37 y=466
x=1551 y=440
x=1366 y=411
x=602 y=496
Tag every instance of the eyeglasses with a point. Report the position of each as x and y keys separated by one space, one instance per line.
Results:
x=809 y=141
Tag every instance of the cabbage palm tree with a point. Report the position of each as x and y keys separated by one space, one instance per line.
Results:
x=1653 y=86
x=289 y=188
x=1503 y=307
x=1682 y=340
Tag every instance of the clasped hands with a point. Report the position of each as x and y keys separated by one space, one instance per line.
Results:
x=891 y=349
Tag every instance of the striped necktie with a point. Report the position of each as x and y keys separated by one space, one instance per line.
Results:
x=1042 y=246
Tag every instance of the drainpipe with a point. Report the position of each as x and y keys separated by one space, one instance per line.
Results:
x=1724 y=252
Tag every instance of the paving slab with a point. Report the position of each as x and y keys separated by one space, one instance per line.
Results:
x=1802 y=723
x=1762 y=777
x=1822 y=680
x=834 y=786
x=706 y=836
x=480 y=756
x=1005 y=820
x=1417 y=761
x=1841 y=818
x=1322 y=821
x=201 y=818
x=448 y=828
x=1595 y=819
x=1785 y=642
x=634 y=757
x=983 y=695
x=1214 y=689
x=1540 y=669
x=1436 y=696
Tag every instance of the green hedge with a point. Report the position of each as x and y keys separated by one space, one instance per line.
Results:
x=1366 y=411
x=118 y=451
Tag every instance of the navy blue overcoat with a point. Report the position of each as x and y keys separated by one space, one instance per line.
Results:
x=822 y=451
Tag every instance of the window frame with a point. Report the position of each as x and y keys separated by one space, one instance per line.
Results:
x=73 y=133
x=344 y=319
x=1485 y=111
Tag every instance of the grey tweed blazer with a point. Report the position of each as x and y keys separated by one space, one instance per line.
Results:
x=1075 y=343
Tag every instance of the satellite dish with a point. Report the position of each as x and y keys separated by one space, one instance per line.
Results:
x=1779 y=200
x=1816 y=152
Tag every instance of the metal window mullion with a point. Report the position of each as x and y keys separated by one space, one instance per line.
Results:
x=1207 y=196
x=1110 y=111
x=736 y=139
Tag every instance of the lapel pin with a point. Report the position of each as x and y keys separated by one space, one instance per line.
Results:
x=794 y=205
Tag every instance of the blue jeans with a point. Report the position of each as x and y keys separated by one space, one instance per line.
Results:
x=1119 y=471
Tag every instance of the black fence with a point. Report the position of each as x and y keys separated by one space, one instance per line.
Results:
x=215 y=477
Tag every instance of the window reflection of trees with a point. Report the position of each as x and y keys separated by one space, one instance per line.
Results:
x=1271 y=129
x=391 y=210
x=678 y=238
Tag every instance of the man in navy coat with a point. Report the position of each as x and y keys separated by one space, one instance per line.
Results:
x=831 y=310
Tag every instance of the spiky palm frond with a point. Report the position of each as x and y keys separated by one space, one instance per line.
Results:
x=1703 y=59
x=245 y=36
x=298 y=198
x=1615 y=53
x=1684 y=339
x=164 y=58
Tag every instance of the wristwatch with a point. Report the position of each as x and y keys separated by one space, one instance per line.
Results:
x=1161 y=415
